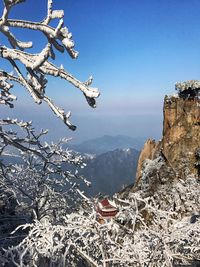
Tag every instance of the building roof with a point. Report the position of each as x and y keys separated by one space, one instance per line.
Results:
x=107 y=208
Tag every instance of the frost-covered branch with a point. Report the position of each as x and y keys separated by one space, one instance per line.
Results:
x=142 y=234
x=38 y=66
x=41 y=177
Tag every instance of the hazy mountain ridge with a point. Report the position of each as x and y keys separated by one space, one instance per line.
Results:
x=109 y=171
x=108 y=143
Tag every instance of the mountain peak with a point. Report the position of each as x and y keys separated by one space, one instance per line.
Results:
x=181 y=137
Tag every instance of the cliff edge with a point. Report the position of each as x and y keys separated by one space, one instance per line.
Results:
x=168 y=177
x=180 y=141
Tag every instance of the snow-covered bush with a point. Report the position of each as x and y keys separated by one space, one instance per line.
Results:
x=41 y=179
x=142 y=234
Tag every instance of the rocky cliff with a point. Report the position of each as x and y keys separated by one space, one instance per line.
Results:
x=181 y=135
x=168 y=177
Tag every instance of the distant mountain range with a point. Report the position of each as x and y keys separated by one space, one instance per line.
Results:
x=110 y=171
x=111 y=162
x=108 y=143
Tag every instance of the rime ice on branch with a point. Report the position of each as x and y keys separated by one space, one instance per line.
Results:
x=37 y=66
x=41 y=179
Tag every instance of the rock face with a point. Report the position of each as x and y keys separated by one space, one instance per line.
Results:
x=148 y=152
x=181 y=137
x=181 y=134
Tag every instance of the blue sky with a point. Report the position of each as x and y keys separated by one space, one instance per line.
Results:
x=135 y=49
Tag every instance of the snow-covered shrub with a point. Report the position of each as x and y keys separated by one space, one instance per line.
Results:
x=151 y=170
x=144 y=233
x=41 y=179
x=197 y=164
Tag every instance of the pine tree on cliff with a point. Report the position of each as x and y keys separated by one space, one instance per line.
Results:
x=188 y=89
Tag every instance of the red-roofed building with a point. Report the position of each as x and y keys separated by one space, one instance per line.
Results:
x=106 y=209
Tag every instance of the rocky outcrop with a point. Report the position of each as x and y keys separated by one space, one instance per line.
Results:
x=181 y=137
x=181 y=134
x=148 y=152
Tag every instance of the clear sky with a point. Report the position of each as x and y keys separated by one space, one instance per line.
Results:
x=135 y=49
